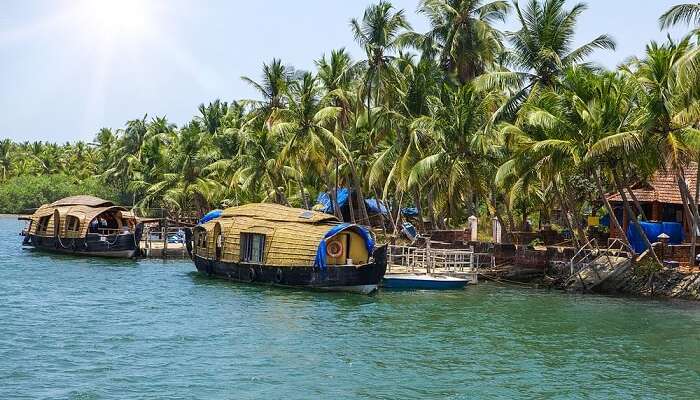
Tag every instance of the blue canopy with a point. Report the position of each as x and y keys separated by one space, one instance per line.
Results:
x=324 y=198
x=213 y=214
x=652 y=230
x=409 y=212
x=321 y=251
x=375 y=206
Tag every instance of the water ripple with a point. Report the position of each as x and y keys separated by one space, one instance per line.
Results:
x=109 y=329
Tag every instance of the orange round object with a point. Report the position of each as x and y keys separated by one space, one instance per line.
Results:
x=334 y=249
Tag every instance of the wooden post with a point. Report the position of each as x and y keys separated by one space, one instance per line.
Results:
x=165 y=238
x=473 y=226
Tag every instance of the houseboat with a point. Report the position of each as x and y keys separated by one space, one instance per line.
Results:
x=84 y=225
x=277 y=245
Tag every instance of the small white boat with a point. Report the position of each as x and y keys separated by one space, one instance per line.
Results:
x=423 y=282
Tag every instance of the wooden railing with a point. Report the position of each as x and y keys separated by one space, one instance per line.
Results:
x=154 y=242
x=438 y=260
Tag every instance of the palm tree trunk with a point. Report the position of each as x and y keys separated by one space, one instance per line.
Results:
x=567 y=214
x=431 y=210
x=362 y=208
x=689 y=215
x=694 y=237
x=351 y=207
x=576 y=217
x=369 y=107
x=511 y=218
x=378 y=204
x=635 y=221
x=303 y=196
x=611 y=212
x=637 y=205
x=398 y=214
x=391 y=217
x=334 y=199
x=416 y=194
x=683 y=186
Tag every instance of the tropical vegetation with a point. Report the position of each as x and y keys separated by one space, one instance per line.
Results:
x=462 y=119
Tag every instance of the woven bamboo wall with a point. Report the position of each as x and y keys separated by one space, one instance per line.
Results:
x=286 y=243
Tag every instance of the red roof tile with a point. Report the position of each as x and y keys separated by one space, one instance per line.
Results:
x=662 y=187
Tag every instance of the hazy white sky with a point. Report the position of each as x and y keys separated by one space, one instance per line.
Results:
x=68 y=68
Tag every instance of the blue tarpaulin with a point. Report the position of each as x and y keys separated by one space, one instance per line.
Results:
x=213 y=214
x=409 y=230
x=375 y=206
x=675 y=231
x=324 y=199
x=321 y=251
x=409 y=212
x=652 y=230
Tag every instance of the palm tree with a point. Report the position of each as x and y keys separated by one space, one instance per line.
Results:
x=464 y=148
x=379 y=33
x=275 y=79
x=6 y=157
x=542 y=49
x=688 y=14
x=670 y=109
x=308 y=143
x=463 y=35
x=186 y=186
x=211 y=115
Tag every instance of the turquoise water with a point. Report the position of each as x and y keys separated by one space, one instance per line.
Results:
x=95 y=329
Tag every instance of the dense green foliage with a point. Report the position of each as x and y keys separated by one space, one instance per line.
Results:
x=22 y=194
x=455 y=120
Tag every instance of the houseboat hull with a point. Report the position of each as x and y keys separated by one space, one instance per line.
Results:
x=347 y=278
x=114 y=246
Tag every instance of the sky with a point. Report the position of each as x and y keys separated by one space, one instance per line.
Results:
x=69 y=68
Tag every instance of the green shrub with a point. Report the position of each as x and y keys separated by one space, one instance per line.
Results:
x=23 y=194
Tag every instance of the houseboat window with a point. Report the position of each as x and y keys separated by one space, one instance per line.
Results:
x=72 y=224
x=202 y=240
x=43 y=224
x=252 y=247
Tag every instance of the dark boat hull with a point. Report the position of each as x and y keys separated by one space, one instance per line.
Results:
x=361 y=278
x=115 y=246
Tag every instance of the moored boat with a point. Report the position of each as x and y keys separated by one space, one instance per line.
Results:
x=277 y=245
x=84 y=225
x=423 y=282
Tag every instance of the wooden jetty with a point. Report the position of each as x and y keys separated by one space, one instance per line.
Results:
x=459 y=263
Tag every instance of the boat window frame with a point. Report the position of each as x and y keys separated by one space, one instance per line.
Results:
x=42 y=228
x=72 y=224
x=247 y=247
x=202 y=239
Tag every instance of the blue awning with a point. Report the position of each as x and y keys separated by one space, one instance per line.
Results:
x=321 y=251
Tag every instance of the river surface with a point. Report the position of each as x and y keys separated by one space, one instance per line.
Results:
x=73 y=328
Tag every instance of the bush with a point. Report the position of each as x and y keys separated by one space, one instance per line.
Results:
x=23 y=194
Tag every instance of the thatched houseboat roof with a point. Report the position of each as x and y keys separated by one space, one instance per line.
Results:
x=278 y=213
x=89 y=201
